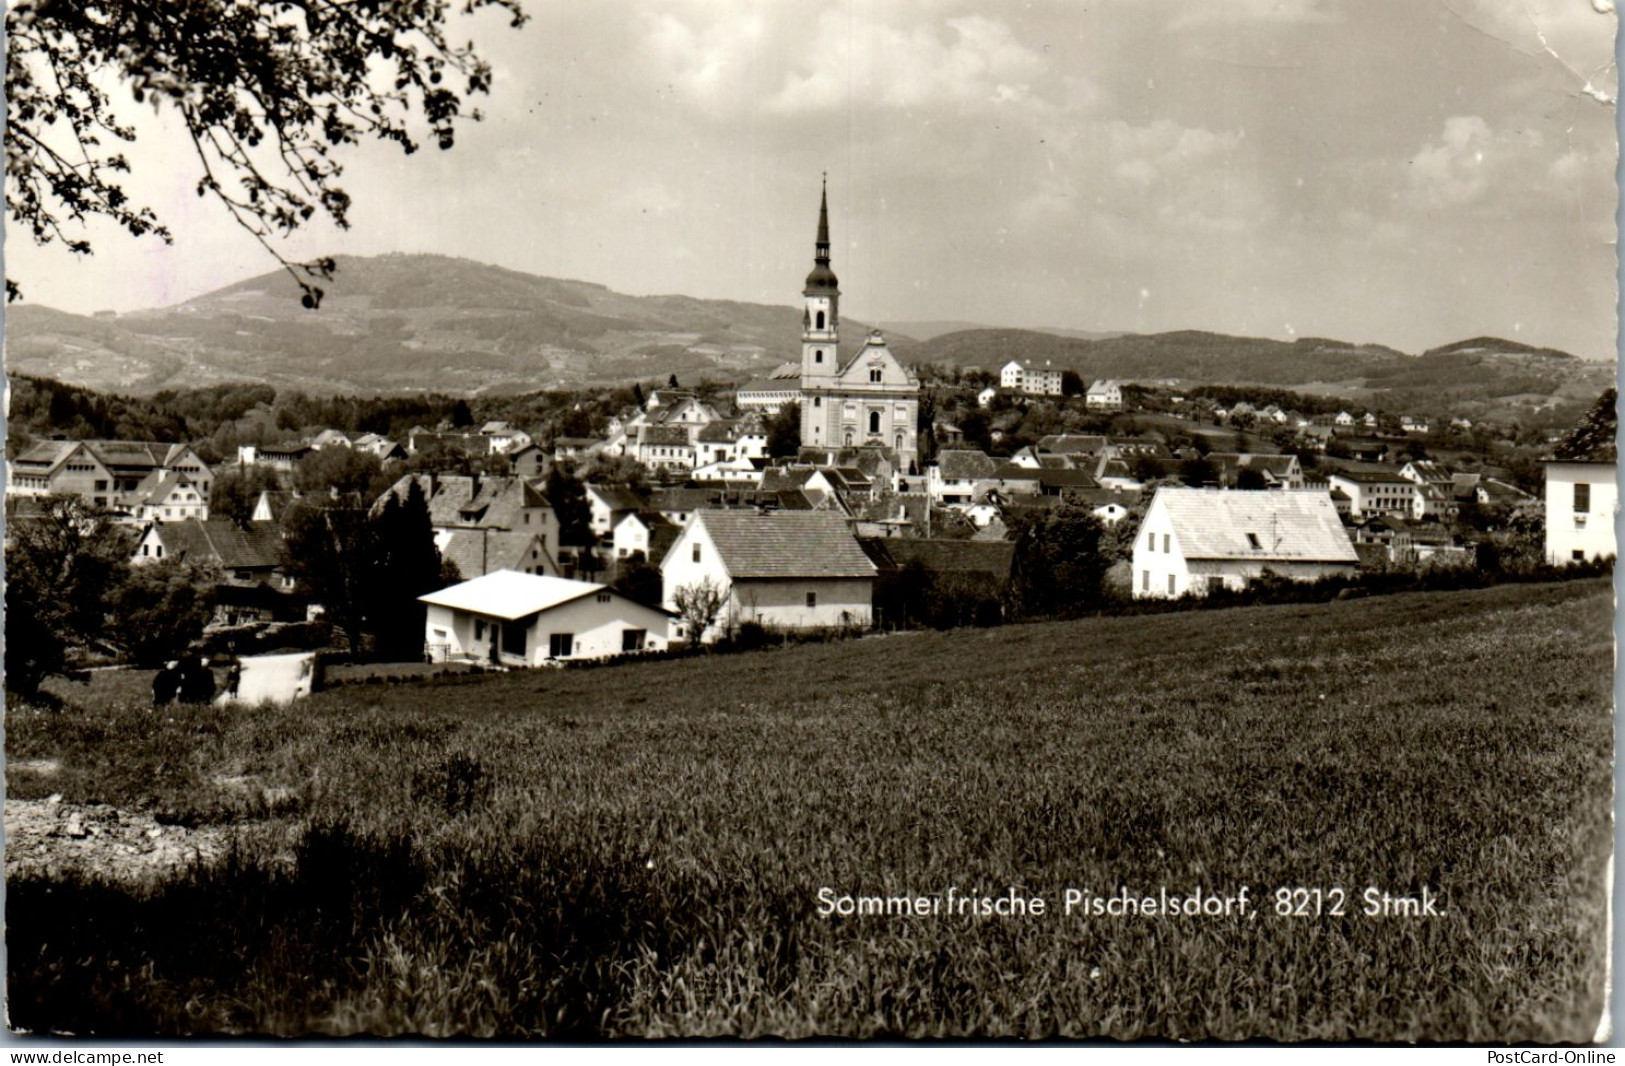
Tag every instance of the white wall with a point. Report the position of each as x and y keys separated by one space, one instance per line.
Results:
x=1591 y=533
x=782 y=603
x=597 y=630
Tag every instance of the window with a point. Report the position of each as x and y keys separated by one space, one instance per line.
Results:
x=818 y=401
x=101 y=485
x=1165 y=548
x=812 y=599
x=874 y=375
x=1252 y=542
x=479 y=629
x=696 y=553
x=1579 y=555
x=818 y=355
x=1170 y=584
x=560 y=645
x=244 y=575
x=513 y=638
x=820 y=320
x=874 y=421
x=604 y=597
x=1145 y=581
x=632 y=639
x=1582 y=499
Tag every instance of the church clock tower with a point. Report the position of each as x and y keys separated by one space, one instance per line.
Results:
x=821 y=313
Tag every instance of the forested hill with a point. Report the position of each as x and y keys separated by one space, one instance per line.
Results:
x=412 y=322
x=1482 y=377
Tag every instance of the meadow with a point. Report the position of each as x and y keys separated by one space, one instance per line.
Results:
x=637 y=851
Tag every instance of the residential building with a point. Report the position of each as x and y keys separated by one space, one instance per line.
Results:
x=458 y=501
x=509 y=618
x=477 y=552
x=1582 y=493
x=1195 y=540
x=1374 y=491
x=116 y=475
x=1024 y=375
x=785 y=570
x=1106 y=395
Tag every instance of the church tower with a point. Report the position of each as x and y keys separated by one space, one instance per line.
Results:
x=821 y=313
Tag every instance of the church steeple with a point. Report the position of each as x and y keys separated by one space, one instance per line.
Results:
x=821 y=314
x=822 y=280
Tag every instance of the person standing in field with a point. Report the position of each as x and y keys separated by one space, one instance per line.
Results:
x=165 y=685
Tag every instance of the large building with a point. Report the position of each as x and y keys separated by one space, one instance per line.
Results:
x=1582 y=493
x=870 y=399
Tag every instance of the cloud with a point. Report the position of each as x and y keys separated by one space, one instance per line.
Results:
x=860 y=55
x=1238 y=12
x=1470 y=161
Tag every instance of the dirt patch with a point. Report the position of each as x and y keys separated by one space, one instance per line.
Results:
x=49 y=836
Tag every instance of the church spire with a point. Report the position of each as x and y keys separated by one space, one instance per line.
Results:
x=822 y=280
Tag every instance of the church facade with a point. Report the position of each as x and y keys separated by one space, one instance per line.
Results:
x=868 y=400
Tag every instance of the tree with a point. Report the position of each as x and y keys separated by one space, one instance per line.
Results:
x=61 y=567
x=568 y=498
x=337 y=468
x=160 y=609
x=406 y=565
x=698 y=606
x=461 y=416
x=268 y=91
x=639 y=581
x=1251 y=480
x=1071 y=383
x=329 y=550
x=1060 y=564
x=236 y=491
x=784 y=432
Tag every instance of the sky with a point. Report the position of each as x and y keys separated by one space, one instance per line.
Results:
x=1404 y=172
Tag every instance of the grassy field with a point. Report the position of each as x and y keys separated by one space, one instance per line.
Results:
x=638 y=850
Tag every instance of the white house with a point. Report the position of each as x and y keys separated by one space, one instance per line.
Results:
x=1194 y=540
x=1026 y=376
x=787 y=569
x=1106 y=394
x=513 y=619
x=1582 y=495
x=985 y=397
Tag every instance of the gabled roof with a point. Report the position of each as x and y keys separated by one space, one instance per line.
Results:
x=508 y=594
x=663 y=436
x=1287 y=526
x=460 y=500
x=258 y=545
x=1065 y=443
x=1232 y=463
x=785 y=544
x=1592 y=441
x=481 y=551
x=991 y=557
x=722 y=431
x=964 y=465
x=616 y=497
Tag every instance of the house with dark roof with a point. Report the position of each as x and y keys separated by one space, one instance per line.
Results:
x=643 y=533
x=253 y=583
x=1276 y=471
x=952 y=479
x=458 y=501
x=1192 y=541
x=112 y=475
x=1582 y=495
x=784 y=570
x=477 y=552
x=940 y=583
x=609 y=503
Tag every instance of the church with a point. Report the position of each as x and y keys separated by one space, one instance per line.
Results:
x=870 y=400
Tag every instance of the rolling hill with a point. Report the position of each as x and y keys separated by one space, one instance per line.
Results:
x=421 y=322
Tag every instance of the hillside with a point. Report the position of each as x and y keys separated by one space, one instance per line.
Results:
x=1483 y=377
x=422 y=322
x=410 y=322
